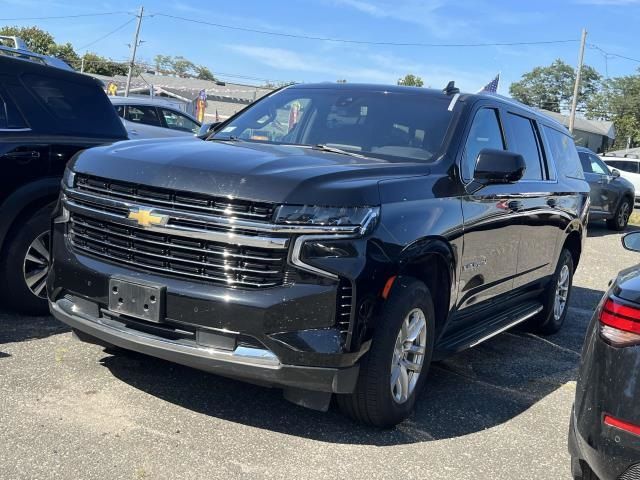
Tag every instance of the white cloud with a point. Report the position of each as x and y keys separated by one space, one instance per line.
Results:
x=372 y=67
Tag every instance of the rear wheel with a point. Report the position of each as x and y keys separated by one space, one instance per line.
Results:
x=555 y=298
x=394 y=370
x=621 y=218
x=25 y=264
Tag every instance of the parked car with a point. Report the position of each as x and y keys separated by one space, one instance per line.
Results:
x=153 y=118
x=605 y=421
x=329 y=239
x=47 y=115
x=629 y=168
x=612 y=197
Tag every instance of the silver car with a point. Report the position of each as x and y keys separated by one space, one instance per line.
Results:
x=153 y=118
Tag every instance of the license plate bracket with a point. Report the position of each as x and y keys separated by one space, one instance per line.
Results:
x=137 y=299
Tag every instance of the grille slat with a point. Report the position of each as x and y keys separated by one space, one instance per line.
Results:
x=217 y=263
x=177 y=200
x=343 y=308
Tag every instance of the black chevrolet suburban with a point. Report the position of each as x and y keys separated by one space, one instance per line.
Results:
x=47 y=114
x=329 y=239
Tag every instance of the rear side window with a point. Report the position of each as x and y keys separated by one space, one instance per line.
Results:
x=81 y=108
x=144 y=115
x=10 y=117
x=624 y=165
x=485 y=133
x=564 y=153
x=523 y=140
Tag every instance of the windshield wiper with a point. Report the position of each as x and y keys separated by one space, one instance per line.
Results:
x=325 y=148
x=230 y=138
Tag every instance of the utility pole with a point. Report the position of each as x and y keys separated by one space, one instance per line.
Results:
x=576 y=88
x=134 y=47
x=82 y=65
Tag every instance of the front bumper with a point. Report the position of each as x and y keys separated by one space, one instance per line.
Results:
x=284 y=336
x=251 y=364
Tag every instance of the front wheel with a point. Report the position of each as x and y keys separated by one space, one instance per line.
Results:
x=394 y=370
x=621 y=218
x=24 y=268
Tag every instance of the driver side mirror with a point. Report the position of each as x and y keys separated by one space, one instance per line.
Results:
x=615 y=173
x=207 y=129
x=631 y=241
x=499 y=166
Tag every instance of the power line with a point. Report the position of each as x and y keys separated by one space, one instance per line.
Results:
x=64 y=16
x=108 y=34
x=363 y=42
x=609 y=54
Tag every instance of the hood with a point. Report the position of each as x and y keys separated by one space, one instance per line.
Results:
x=253 y=171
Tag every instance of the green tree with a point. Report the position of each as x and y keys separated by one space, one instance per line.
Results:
x=411 y=80
x=163 y=63
x=99 y=65
x=619 y=102
x=182 y=66
x=551 y=87
x=203 y=73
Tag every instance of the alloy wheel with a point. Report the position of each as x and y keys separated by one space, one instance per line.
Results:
x=562 y=292
x=36 y=265
x=623 y=214
x=408 y=355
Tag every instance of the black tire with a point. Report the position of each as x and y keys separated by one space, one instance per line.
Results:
x=15 y=292
x=372 y=402
x=546 y=322
x=585 y=472
x=621 y=218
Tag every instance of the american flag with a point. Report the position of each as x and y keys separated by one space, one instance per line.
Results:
x=492 y=86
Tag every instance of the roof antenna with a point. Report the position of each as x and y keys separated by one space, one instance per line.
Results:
x=451 y=88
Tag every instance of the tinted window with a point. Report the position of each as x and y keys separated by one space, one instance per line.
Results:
x=80 y=107
x=143 y=114
x=177 y=121
x=624 y=165
x=380 y=124
x=523 y=140
x=564 y=153
x=485 y=132
x=10 y=117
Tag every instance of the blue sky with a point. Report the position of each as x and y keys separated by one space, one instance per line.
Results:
x=612 y=25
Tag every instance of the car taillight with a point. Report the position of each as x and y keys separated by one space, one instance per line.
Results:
x=620 y=324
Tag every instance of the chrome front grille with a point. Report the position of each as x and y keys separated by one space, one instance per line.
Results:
x=175 y=200
x=176 y=255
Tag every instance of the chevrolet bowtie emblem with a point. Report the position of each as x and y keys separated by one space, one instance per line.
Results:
x=146 y=217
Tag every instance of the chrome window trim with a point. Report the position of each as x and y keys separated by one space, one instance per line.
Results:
x=15 y=129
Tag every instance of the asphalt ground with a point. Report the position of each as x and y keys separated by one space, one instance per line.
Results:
x=69 y=410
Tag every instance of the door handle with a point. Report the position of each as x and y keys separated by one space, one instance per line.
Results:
x=23 y=155
x=515 y=205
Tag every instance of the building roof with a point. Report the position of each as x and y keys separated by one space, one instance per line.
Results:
x=598 y=127
x=188 y=88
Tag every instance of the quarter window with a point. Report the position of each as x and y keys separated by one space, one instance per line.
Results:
x=564 y=153
x=485 y=132
x=523 y=141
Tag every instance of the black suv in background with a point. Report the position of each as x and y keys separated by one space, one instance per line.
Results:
x=328 y=239
x=47 y=114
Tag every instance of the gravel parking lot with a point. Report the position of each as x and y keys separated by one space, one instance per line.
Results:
x=499 y=411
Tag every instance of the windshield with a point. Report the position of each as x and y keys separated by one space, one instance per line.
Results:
x=379 y=124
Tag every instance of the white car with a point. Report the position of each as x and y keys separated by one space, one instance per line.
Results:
x=629 y=168
x=153 y=118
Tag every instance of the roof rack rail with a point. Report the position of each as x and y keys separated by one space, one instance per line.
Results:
x=15 y=47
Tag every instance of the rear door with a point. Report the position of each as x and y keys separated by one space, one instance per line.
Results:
x=491 y=234
x=536 y=200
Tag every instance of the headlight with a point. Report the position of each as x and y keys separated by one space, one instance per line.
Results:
x=324 y=216
x=68 y=178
